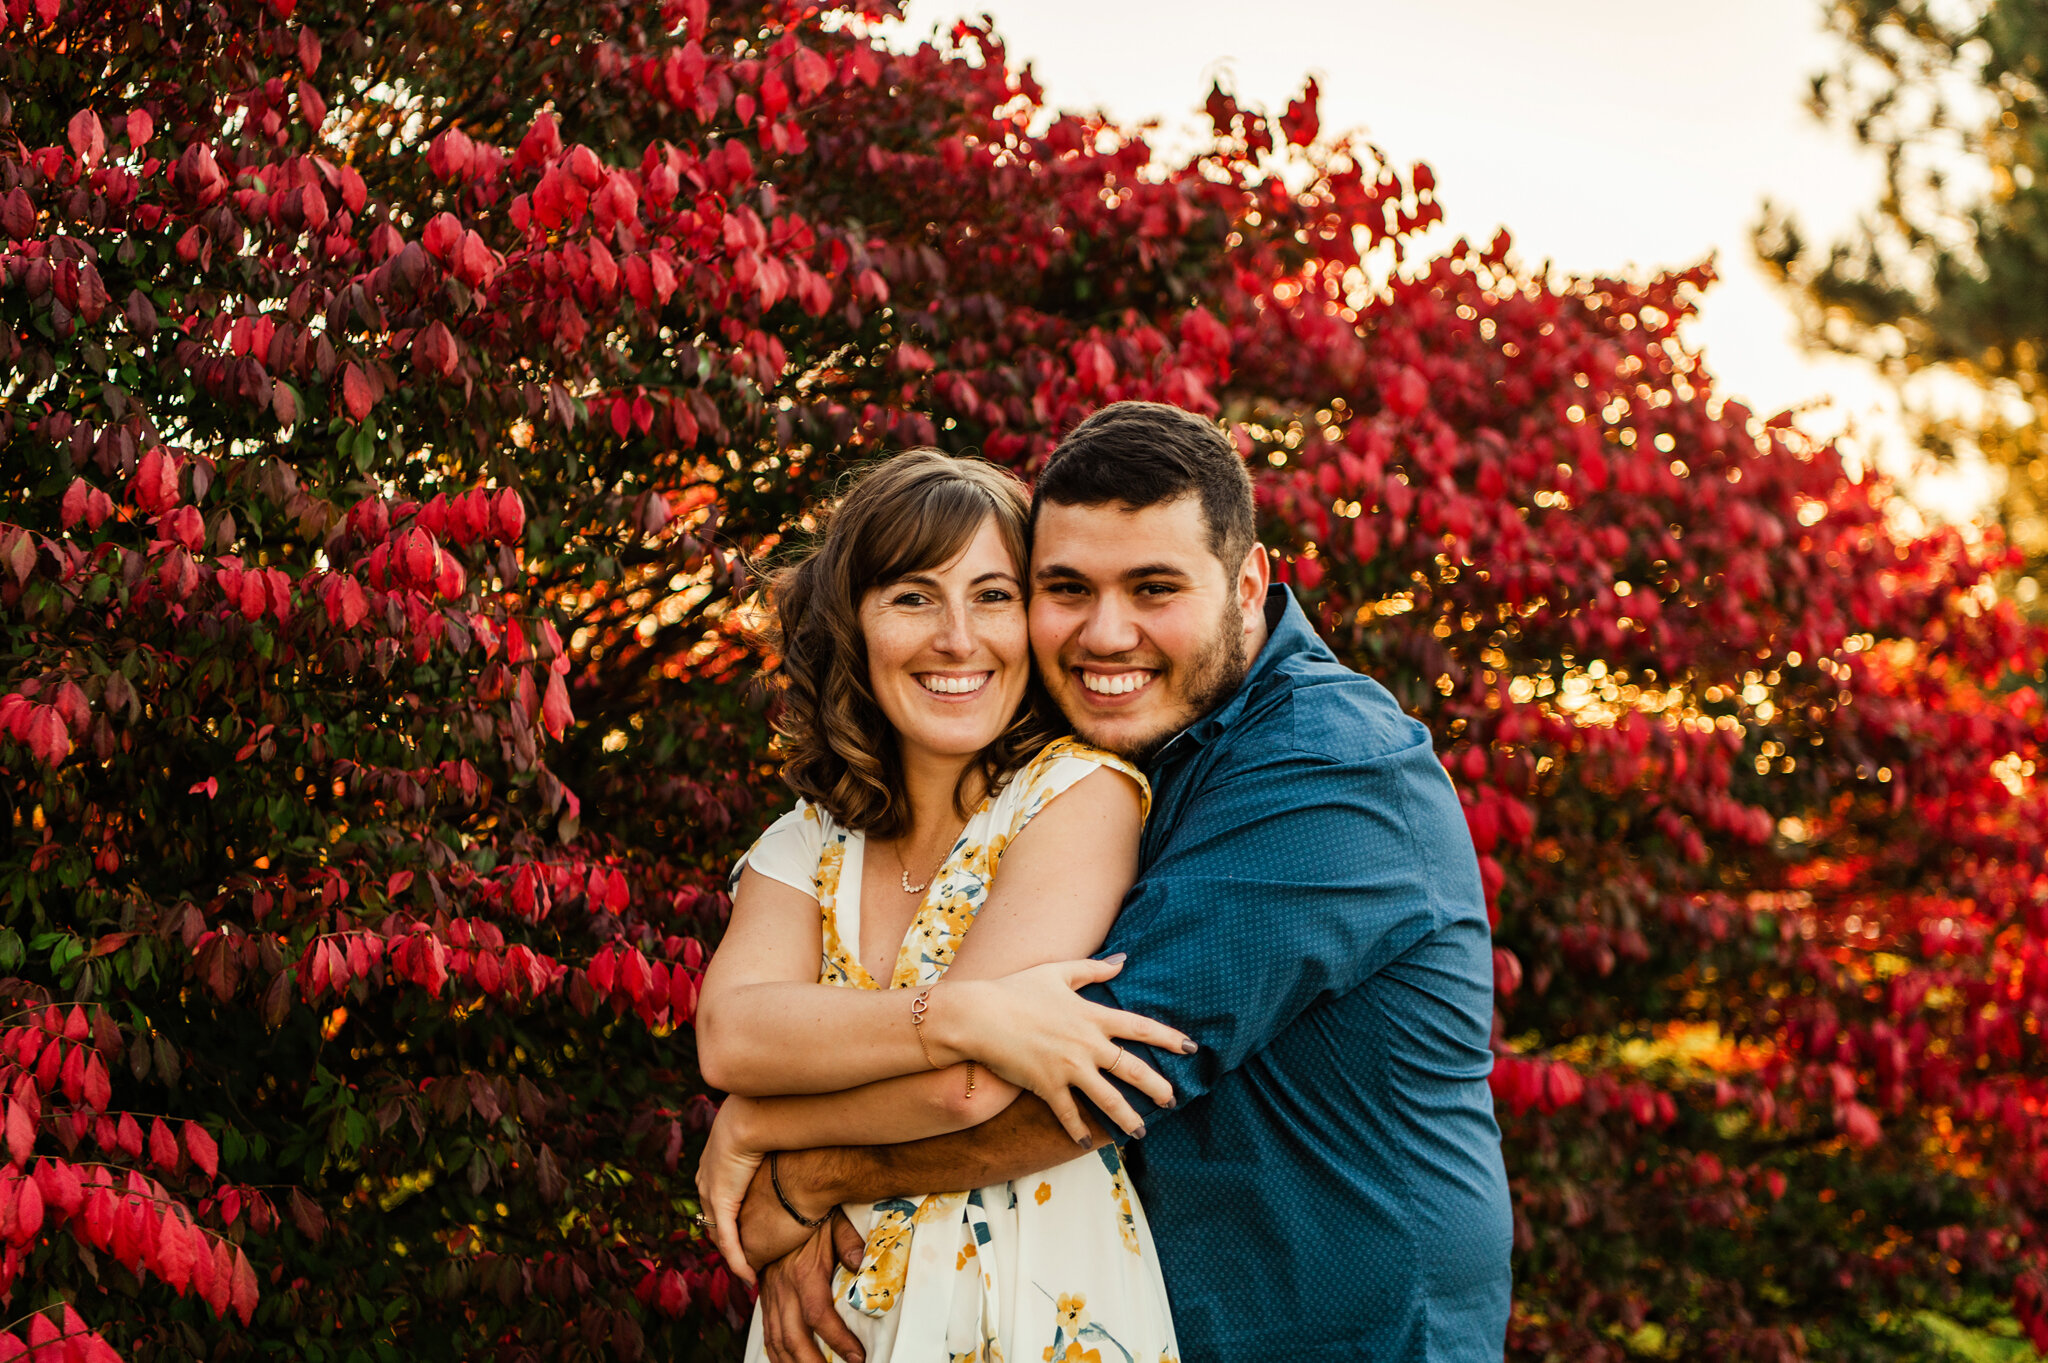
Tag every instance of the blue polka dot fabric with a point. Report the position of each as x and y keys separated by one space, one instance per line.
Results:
x=1330 y=1184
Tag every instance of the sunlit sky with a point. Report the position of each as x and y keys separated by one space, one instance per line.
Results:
x=1608 y=136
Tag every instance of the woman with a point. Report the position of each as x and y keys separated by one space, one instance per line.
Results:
x=842 y=1007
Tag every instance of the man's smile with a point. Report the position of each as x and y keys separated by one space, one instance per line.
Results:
x=1123 y=682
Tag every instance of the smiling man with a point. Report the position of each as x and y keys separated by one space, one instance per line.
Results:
x=1329 y=1185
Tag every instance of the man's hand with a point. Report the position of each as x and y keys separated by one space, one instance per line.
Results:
x=766 y=1229
x=797 y=1301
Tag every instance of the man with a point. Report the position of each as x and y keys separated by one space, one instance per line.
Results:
x=1329 y=1185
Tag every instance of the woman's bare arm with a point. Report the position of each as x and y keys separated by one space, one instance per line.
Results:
x=765 y=1028
x=910 y=1107
x=889 y=1111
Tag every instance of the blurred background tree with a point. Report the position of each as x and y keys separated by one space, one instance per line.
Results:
x=1948 y=271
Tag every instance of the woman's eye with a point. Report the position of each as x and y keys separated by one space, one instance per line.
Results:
x=997 y=594
x=908 y=599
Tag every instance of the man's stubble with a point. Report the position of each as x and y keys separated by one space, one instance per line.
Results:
x=1211 y=679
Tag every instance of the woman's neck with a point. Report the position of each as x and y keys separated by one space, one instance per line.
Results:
x=931 y=783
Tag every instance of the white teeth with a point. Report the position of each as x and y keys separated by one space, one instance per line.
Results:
x=954 y=686
x=1116 y=685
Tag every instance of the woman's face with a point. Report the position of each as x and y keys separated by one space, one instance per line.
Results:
x=949 y=652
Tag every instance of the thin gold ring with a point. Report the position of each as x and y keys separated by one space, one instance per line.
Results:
x=1111 y=1071
x=705 y=1222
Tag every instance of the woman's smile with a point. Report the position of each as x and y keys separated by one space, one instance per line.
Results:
x=953 y=685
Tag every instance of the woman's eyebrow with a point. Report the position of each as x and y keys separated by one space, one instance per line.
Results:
x=995 y=575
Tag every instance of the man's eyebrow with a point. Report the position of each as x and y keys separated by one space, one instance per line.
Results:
x=1154 y=570
x=1053 y=570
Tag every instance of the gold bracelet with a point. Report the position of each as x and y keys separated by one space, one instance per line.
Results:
x=917 y=1007
x=970 y=1079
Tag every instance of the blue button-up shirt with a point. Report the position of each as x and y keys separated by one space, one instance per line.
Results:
x=1330 y=1185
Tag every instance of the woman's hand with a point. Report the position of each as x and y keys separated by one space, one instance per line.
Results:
x=1032 y=1029
x=724 y=1171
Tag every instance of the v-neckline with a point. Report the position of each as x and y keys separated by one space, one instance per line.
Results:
x=854 y=869
x=846 y=905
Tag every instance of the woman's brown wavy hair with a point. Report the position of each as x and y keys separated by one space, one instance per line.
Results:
x=908 y=514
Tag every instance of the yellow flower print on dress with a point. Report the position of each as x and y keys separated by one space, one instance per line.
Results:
x=1073 y=1333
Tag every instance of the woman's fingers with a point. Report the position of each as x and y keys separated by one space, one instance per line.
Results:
x=725 y=1233
x=1098 y=1087
x=1138 y=1027
x=1078 y=973
x=1069 y=1114
x=1139 y=1076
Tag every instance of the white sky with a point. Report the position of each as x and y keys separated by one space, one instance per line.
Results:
x=1608 y=136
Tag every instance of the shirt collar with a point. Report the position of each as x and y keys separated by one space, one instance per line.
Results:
x=1288 y=633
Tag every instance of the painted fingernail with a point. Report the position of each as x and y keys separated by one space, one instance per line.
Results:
x=1081 y=1141
x=1138 y=1133
x=1117 y=959
x=1173 y=1102
x=1188 y=1047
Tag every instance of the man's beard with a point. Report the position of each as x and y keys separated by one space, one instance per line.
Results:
x=1211 y=679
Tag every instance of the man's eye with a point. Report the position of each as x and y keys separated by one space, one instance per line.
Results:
x=1158 y=589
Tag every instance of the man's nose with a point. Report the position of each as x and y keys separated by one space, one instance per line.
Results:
x=1110 y=628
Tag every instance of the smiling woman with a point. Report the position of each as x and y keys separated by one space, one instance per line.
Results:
x=871 y=585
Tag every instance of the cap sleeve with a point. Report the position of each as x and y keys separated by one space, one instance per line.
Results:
x=788 y=851
x=1057 y=768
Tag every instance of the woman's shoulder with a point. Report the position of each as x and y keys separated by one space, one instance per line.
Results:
x=790 y=849
x=1057 y=768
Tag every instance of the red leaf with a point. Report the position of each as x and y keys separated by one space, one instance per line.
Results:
x=27 y=1220
x=555 y=713
x=17 y=214
x=243 y=1292
x=176 y=1252
x=48 y=739
x=72 y=509
x=434 y=350
x=97 y=1085
x=86 y=136
x=813 y=73
x=199 y=1145
x=211 y=787
x=21 y=1133
x=163 y=1146
x=355 y=392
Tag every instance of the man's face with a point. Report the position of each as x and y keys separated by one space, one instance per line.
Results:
x=1138 y=629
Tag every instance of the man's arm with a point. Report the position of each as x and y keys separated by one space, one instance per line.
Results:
x=1024 y=1138
x=1308 y=869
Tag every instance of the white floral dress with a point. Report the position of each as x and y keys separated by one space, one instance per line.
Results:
x=1056 y=1266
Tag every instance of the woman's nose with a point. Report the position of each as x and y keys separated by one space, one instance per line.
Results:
x=956 y=634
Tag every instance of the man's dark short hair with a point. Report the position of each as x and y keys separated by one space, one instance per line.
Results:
x=1139 y=454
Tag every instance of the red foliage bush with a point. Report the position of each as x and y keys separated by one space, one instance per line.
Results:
x=393 y=392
